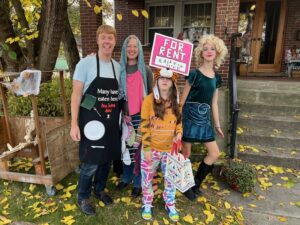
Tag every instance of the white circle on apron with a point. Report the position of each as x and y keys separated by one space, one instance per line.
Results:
x=94 y=130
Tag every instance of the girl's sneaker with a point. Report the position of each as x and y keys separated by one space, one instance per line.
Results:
x=147 y=212
x=173 y=214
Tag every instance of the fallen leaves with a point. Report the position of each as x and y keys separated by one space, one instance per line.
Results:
x=188 y=218
x=282 y=219
x=68 y=220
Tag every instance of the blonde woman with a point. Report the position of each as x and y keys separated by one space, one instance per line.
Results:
x=200 y=101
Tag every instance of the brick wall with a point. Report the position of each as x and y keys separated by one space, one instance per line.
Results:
x=89 y=23
x=135 y=25
x=292 y=25
x=130 y=24
x=226 y=23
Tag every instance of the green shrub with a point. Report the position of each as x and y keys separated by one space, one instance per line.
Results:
x=239 y=175
x=49 y=100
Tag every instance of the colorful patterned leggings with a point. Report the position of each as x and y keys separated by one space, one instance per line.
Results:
x=148 y=169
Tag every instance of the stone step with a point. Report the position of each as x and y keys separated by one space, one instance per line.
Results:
x=263 y=85
x=271 y=156
x=288 y=126
x=271 y=110
x=282 y=98
x=259 y=137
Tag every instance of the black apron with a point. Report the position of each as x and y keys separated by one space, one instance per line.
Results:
x=99 y=126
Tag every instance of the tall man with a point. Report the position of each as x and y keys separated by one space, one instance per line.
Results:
x=95 y=119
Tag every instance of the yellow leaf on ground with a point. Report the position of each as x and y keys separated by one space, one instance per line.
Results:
x=246 y=195
x=126 y=200
x=210 y=216
x=32 y=187
x=3 y=200
x=155 y=222
x=135 y=12
x=4 y=220
x=68 y=220
x=227 y=205
x=69 y=207
x=188 y=218
x=239 y=216
x=166 y=221
x=282 y=219
x=5 y=213
x=145 y=13
x=66 y=195
x=252 y=205
x=101 y=204
x=59 y=187
x=70 y=188
x=284 y=178
x=88 y=3
x=260 y=197
x=201 y=199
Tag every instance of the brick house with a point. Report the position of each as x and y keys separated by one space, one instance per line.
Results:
x=268 y=27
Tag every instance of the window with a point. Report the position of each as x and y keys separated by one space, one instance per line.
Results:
x=191 y=19
x=197 y=21
x=161 y=20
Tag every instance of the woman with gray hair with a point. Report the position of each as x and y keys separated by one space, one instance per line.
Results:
x=135 y=83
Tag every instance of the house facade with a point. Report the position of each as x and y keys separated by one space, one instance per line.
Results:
x=269 y=28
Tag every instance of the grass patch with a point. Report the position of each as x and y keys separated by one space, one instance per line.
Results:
x=30 y=203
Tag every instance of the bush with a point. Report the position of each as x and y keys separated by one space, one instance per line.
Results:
x=49 y=100
x=239 y=175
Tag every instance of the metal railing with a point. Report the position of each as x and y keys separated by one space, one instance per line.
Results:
x=234 y=108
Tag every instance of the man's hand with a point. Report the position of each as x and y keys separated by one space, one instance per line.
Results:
x=75 y=133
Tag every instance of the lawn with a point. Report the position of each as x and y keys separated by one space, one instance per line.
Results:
x=30 y=203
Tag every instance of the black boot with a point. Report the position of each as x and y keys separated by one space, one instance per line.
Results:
x=202 y=172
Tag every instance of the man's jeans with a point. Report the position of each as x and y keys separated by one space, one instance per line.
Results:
x=87 y=173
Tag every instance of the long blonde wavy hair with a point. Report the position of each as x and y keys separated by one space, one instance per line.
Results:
x=221 y=49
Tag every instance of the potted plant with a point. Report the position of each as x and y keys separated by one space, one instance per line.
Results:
x=239 y=175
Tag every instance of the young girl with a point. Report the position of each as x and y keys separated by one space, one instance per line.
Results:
x=135 y=83
x=160 y=127
x=199 y=98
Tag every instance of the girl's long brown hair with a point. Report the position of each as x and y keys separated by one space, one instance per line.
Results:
x=160 y=106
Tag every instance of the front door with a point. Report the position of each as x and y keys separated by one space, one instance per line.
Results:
x=265 y=37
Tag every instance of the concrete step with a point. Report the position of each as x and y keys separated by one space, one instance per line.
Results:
x=263 y=85
x=271 y=156
x=260 y=137
x=287 y=126
x=282 y=98
x=270 y=110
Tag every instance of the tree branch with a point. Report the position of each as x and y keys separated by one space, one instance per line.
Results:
x=6 y=31
x=24 y=23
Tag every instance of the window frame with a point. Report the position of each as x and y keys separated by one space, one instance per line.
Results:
x=178 y=15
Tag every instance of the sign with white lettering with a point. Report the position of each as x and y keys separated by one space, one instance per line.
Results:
x=171 y=53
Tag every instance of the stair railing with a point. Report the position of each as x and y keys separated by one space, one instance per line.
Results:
x=234 y=108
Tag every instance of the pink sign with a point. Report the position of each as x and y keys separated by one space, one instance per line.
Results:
x=171 y=53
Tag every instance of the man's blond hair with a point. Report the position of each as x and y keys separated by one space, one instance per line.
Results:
x=106 y=29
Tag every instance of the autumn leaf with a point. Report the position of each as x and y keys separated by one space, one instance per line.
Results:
x=165 y=221
x=119 y=16
x=3 y=200
x=135 y=12
x=246 y=195
x=32 y=187
x=69 y=207
x=88 y=3
x=239 y=216
x=101 y=204
x=284 y=178
x=68 y=220
x=70 y=188
x=227 y=205
x=97 y=9
x=282 y=219
x=201 y=199
x=4 y=220
x=155 y=222
x=189 y=219
x=289 y=184
x=126 y=200
x=59 y=187
x=252 y=205
x=210 y=216
x=145 y=14
x=126 y=215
